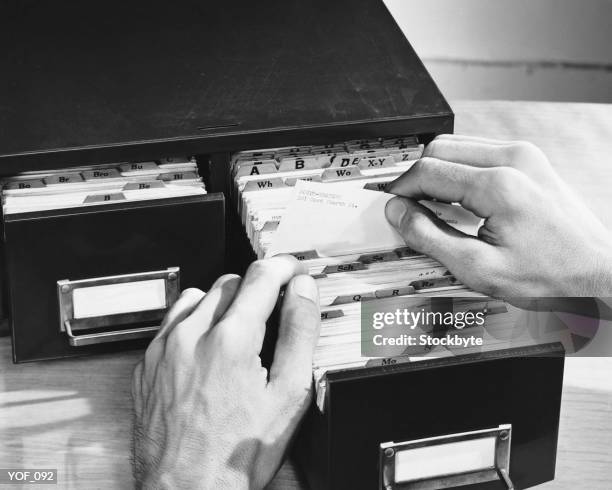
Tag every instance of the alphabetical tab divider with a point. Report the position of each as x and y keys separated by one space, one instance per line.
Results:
x=137 y=186
x=369 y=163
x=256 y=169
x=291 y=181
x=330 y=315
x=353 y=298
x=340 y=174
x=392 y=292
x=101 y=174
x=406 y=252
x=270 y=226
x=138 y=167
x=24 y=184
x=95 y=198
x=67 y=178
x=433 y=283
x=410 y=154
x=378 y=257
x=306 y=255
x=177 y=176
x=290 y=164
x=376 y=186
x=262 y=185
x=174 y=160
x=346 y=160
x=351 y=267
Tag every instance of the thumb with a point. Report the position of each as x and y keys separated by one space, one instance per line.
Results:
x=300 y=320
x=424 y=232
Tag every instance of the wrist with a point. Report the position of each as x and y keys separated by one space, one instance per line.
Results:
x=194 y=475
x=595 y=279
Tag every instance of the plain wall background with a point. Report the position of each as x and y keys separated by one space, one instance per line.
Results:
x=558 y=50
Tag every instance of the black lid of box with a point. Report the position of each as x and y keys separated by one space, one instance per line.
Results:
x=103 y=80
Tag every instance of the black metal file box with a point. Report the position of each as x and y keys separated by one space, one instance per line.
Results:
x=370 y=413
x=104 y=82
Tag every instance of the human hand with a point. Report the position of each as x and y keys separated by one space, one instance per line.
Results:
x=538 y=238
x=208 y=415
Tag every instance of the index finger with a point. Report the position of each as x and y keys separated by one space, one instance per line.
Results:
x=431 y=178
x=258 y=292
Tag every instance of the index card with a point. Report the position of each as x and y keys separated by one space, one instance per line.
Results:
x=334 y=220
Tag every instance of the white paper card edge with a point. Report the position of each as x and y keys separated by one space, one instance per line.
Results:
x=114 y=299
x=444 y=459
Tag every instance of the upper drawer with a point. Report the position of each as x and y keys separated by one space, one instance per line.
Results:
x=43 y=248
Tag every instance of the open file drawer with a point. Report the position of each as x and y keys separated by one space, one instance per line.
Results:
x=482 y=420
x=373 y=416
x=64 y=294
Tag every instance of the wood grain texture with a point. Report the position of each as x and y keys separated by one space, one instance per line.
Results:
x=75 y=415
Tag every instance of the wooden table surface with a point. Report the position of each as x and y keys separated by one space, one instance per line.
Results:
x=75 y=415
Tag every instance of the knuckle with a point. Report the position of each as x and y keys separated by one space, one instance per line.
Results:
x=194 y=291
x=503 y=179
x=259 y=267
x=228 y=344
x=422 y=163
x=418 y=166
x=522 y=150
x=434 y=147
x=229 y=277
x=180 y=338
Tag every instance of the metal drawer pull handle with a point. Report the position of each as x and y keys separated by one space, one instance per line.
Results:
x=104 y=337
x=447 y=461
x=133 y=305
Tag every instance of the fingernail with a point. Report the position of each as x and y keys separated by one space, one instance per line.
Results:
x=395 y=211
x=306 y=287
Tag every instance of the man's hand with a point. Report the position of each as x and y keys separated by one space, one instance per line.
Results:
x=538 y=238
x=208 y=415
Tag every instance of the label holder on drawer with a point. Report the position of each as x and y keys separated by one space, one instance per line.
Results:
x=447 y=461
x=155 y=292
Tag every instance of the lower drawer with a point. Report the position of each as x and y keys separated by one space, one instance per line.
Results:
x=372 y=416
